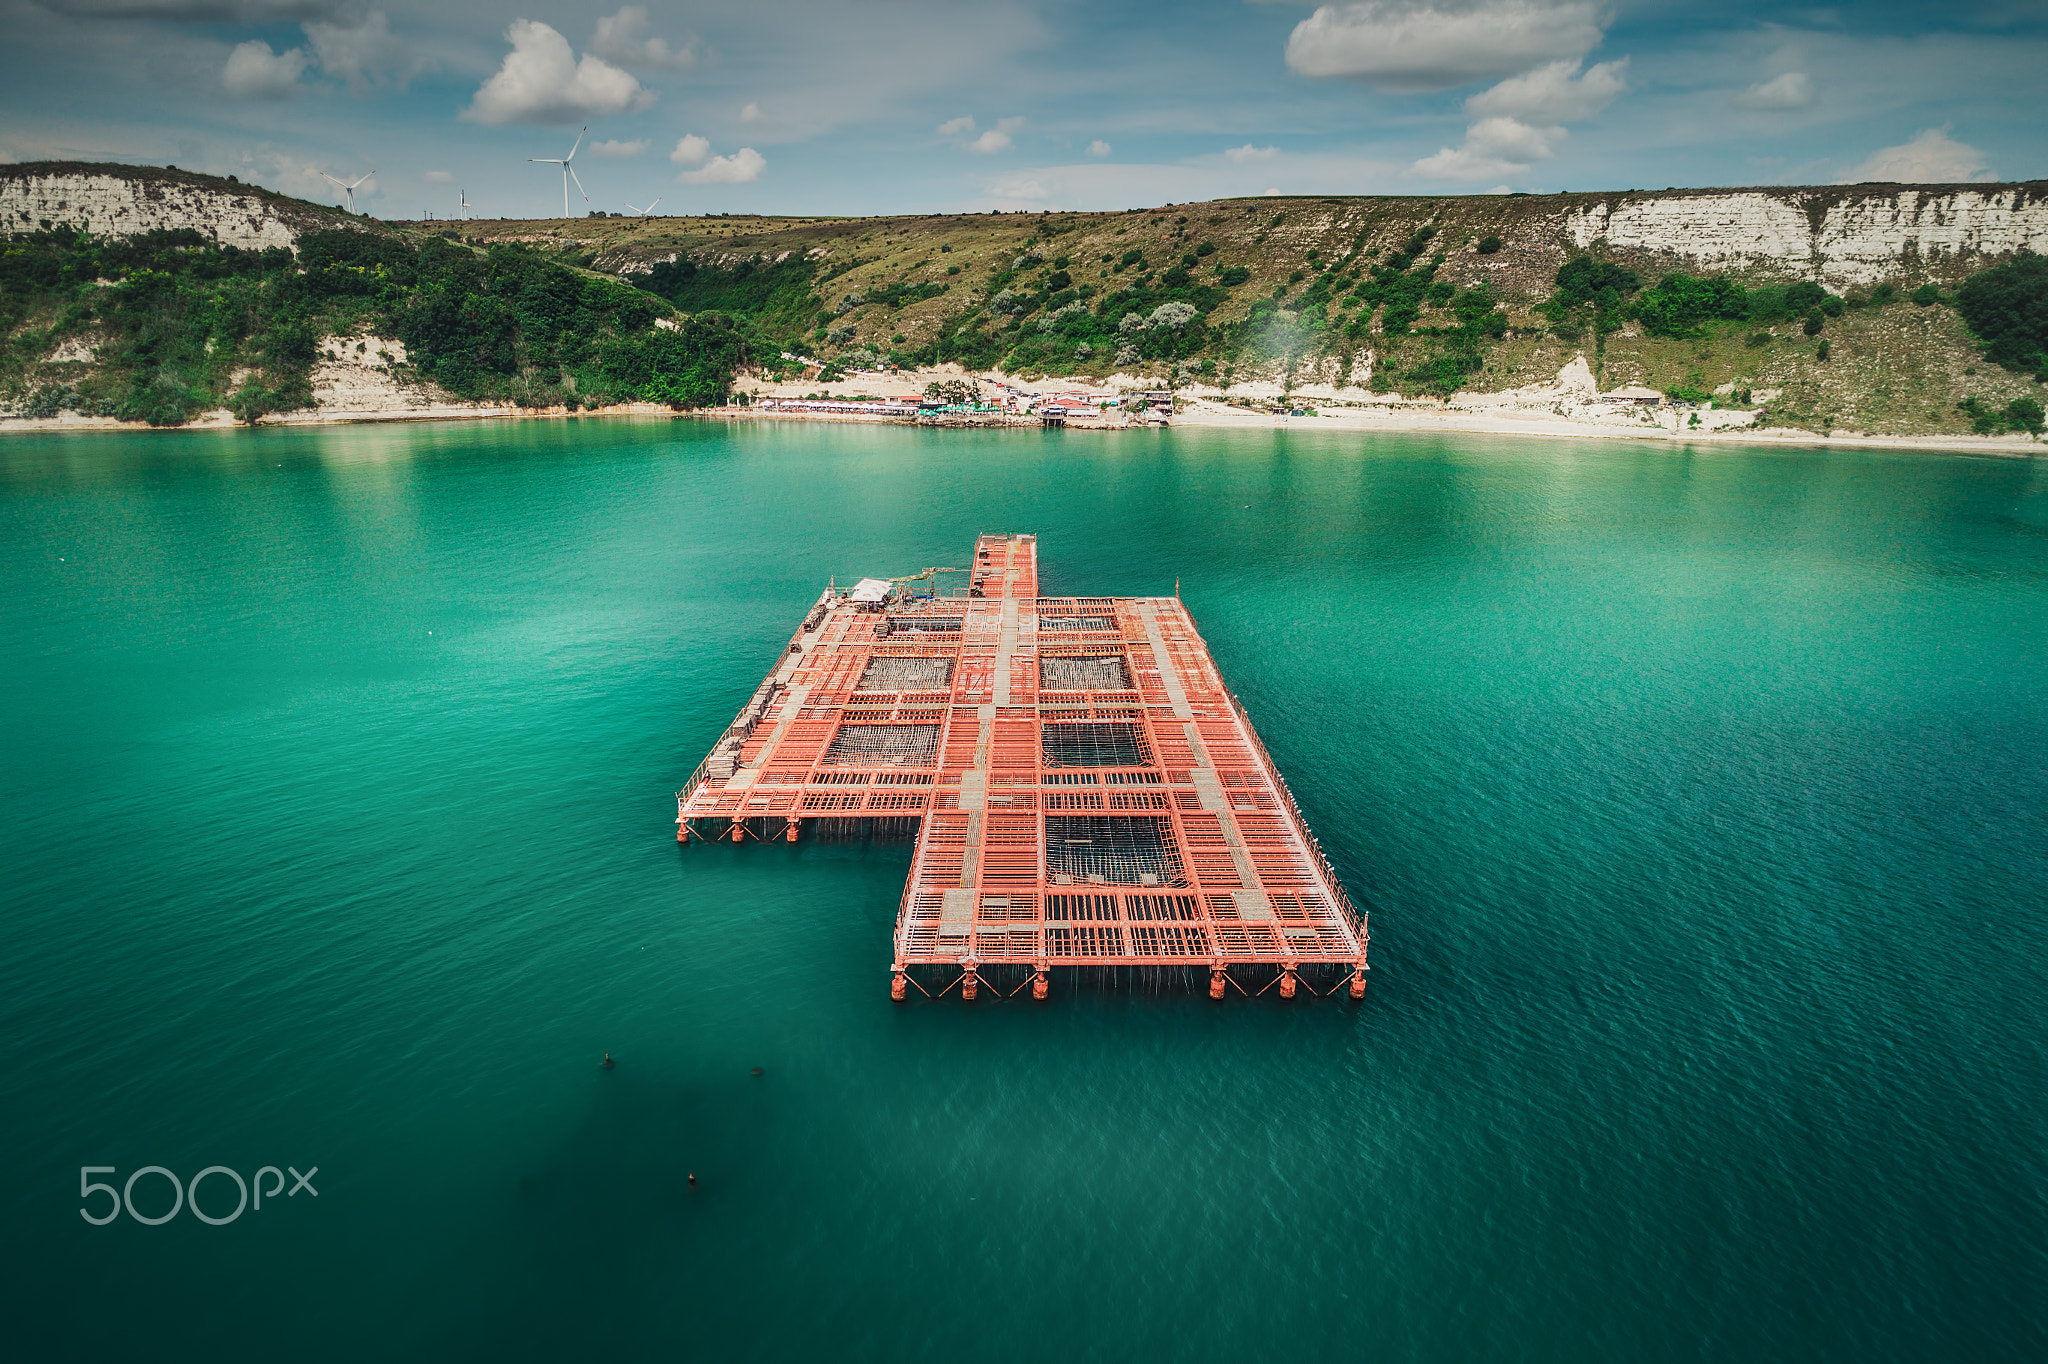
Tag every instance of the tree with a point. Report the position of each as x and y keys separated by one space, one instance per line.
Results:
x=2007 y=307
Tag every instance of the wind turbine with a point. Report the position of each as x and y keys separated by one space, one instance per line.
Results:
x=348 y=188
x=643 y=212
x=463 y=195
x=568 y=171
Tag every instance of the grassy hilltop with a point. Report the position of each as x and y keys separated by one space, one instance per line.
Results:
x=1421 y=296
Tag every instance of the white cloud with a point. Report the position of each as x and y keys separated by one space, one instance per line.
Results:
x=623 y=38
x=1554 y=92
x=1018 y=190
x=1241 y=155
x=1501 y=189
x=1521 y=120
x=752 y=114
x=617 y=150
x=1932 y=158
x=743 y=167
x=1793 y=90
x=953 y=127
x=1410 y=46
x=690 y=150
x=363 y=54
x=542 y=82
x=994 y=140
x=1099 y=148
x=198 y=11
x=438 y=178
x=1493 y=147
x=255 y=72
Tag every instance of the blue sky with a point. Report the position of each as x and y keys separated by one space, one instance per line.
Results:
x=877 y=106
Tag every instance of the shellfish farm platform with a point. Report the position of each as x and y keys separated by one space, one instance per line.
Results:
x=1083 y=790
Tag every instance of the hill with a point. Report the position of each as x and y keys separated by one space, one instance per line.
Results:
x=1840 y=306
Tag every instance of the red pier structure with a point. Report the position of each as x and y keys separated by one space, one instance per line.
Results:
x=1086 y=795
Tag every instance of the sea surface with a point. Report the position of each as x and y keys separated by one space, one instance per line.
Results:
x=1699 y=798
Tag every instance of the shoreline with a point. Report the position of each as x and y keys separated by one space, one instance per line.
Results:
x=1200 y=413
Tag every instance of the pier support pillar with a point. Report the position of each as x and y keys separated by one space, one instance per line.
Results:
x=739 y=831
x=682 y=831
x=970 y=984
x=1039 y=984
x=789 y=833
x=898 y=985
x=1358 y=981
x=1216 y=981
x=1287 y=980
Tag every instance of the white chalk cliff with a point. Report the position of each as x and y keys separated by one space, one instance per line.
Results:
x=1845 y=236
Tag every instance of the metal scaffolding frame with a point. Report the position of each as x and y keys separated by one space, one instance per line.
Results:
x=1097 y=800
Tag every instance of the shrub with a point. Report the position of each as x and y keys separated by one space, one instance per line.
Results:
x=1171 y=315
x=1294 y=277
x=2007 y=307
x=1883 y=294
x=1927 y=294
x=1488 y=245
x=945 y=246
x=1680 y=305
x=1234 y=276
x=2025 y=414
x=1580 y=279
x=1823 y=350
x=1814 y=322
x=1984 y=420
x=1206 y=249
x=1756 y=339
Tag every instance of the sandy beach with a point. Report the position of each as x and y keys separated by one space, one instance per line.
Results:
x=363 y=388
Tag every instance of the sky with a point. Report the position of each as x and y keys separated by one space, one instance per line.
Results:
x=914 y=106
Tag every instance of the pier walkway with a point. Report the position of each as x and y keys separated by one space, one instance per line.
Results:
x=1084 y=790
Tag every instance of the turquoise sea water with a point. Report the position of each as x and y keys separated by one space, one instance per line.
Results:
x=1697 y=796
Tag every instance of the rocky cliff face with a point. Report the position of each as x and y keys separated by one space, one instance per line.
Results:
x=119 y=201
x=1836 y=236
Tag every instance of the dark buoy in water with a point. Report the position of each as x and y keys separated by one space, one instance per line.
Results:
x=608 y=1063
x=693 y=1179
x=757 y=1071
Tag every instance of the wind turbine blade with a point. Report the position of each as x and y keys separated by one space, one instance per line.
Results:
x=579 y=184
x=579 y=142
x=325 y=176
x=649 y=209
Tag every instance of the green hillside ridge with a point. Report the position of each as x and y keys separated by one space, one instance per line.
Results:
x=1444 y=294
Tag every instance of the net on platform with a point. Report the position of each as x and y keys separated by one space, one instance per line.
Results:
x=907 y=674
x=1095 y=744
x=1115 y=850
x=884 y=746
x=1090 y=672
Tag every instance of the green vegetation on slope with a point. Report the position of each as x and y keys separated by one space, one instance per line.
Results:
x=177 y=326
